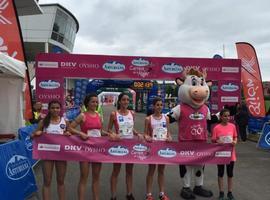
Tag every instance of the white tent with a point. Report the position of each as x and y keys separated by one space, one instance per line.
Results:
x=12 y=73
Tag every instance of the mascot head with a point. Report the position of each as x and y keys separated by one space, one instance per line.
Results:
x=193 y=90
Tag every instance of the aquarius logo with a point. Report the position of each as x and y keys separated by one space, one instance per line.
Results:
x=49 y=84
x=140 y=62
x=113 y=66
x=118 y=151
x=140 y=147
x=172 y=68
x=167 y=153
x=229 y=87
x=17 y=167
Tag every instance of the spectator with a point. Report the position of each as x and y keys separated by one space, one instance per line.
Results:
x=241 y=119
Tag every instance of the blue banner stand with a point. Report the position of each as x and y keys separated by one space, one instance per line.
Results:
x=17 y=178
x=264 y=141
x=24 y=135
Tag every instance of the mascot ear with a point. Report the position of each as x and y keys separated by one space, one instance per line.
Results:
x=179 y=81
x=209 y=83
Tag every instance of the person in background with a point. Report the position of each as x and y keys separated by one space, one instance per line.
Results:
x=37 y=111
x=241 y=119
x=225 y=132
x=156 y=128
x=90 y=126
x=123 y=121
x=53 y=123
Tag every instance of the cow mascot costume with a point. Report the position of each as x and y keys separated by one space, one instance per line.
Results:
x=192 y=115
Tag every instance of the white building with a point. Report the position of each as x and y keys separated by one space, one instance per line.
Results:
x=52 y=31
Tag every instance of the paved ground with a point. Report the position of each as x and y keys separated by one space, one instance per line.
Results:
x=251 y=182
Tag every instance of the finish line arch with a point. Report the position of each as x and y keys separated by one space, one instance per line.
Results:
x=52 y=69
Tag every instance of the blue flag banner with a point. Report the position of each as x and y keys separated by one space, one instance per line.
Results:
x=24 y=135
x=17 y=178
x=264 y=141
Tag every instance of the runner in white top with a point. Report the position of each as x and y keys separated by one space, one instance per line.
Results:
x=123 y=122
x=53 y=123
x=156 y=128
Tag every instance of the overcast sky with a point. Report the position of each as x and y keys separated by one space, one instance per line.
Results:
x=177 y=28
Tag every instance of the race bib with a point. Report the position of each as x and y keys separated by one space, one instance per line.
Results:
x=94 y=133
x=126 y=130
x=226 y=139
x=160 y=133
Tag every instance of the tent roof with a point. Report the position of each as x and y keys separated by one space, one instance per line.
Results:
x=11 y=67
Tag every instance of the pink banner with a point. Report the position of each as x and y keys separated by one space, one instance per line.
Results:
x=59 y=147
x=52 y=69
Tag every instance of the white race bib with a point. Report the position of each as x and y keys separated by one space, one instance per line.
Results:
x=126 y=130
x=94 y=133
x=226 y=139
x=160 y=133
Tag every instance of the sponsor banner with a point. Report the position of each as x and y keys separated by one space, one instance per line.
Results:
x=12 y=45
x=251 y=79
x=15 y=171
x=264 y=141
x=54 y=68
x=60 y=147
x=130 y=67
x=24 y=135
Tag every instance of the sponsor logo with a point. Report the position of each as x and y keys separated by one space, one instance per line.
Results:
x=28 y=143
x=113 y=66
x=187 y=153
x=223 y=154
x=140 y=62
x=46 y=64
x=230 y=69
x=167 y=153
x=68 y=64
x=89 y=65
x=48 y=96
x=49 y=147
x=249 y=64
x=214 y=107
x=172 y=68
x=229 y=87
x=196 y=116
x=229 y=99
x=17 y=167
x=267 y=138
x=214 y=88
x=140 y=147
x=118 y=151
x=49 y=84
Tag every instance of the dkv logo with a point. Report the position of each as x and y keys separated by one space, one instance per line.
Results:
x=118 y=151
x=113 y=66
x=17 y=167
x=229 y=87
x=140 y=62
x=49 y=84
x=172 y=68
x=167 y=153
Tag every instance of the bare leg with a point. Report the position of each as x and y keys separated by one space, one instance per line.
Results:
x=61 y=168
x=114 y=176
x=84 y=172
x=129 y=177
x=161 y=177
x=149 y=178
x=96 y=167
x=230 y=184
x=47 y=170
